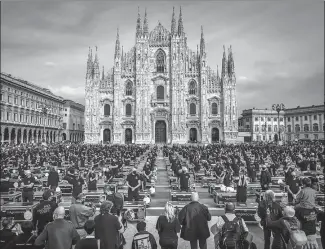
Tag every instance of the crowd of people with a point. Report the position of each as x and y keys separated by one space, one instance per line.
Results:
x=102 y=226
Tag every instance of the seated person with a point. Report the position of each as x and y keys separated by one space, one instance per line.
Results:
x=89 y=242
x=25 y=239
x=6 y=234
x=143 y=238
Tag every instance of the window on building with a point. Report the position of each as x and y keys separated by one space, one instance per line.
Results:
x=306 y=127
x=1 y=97
x=270 y=137
x=27 y=103
x=297 y=118
x=297 y=128
x=128 y=88
x=256 y=128
x=315 y=117
x=78 y=126
x=316 y=136
x=21 y=118
x=128 y=110
x=31 y=119
x=275 y=128
x=281 y=119
x=192 y=109
x=16 y=101
x=8 y=116
x=65 y=109
x=289 y=137
x=15 y=117
x=64 y=125
x=263 y=138
x=263 y=128
x=315 y=127
x=26 y=118
x=160 y=93
x=289 y=128
x=214 y=108
x=160 y=62
x=269 y=128
x=247 y=126
x=262 y=119
x=9 y=99
x=306 y=118
x=73 y=126
x=306 y=136
x=192 y=88
x=107 y=110
x=289 y=119
x=256 y=118
x=275 y=119
x=65 y=115
x=323 y=127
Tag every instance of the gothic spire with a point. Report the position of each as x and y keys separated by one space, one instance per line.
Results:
x=173 y=28
x=218 y=77
x=117 y=44
x=231 y=66
x=139 y=28
x=202 y=42
x=96 y=65
x=180 y=23
x=224 y=70
x=89 y=64
x=103 y=75
x=145 y=24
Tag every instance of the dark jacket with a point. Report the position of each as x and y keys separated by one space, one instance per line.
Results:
x=53 y=178
x=275 y=209
x=43 y=214
x=144 y=235
x=194 y=219
x=265 y=177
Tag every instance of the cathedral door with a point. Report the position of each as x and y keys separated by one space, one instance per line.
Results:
x=128 y=136
x=160 y=132
x=215 y=135
x=193 y=135
x=106 y=135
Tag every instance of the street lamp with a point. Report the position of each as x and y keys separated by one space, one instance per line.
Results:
x=278 y=108
x=44 y=110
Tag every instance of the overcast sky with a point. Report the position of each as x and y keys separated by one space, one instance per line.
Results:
x=278 y=46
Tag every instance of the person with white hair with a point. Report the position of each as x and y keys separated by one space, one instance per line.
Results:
x=184 y=180
x=282 y=226
x=194 y=219
x=293 y=187
x=59 y=234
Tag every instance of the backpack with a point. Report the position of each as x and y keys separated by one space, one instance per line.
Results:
x=141 y=241
x=298 y=237
x=230 y=233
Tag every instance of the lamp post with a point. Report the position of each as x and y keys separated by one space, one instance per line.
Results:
x=44 y=110
x=278 y=108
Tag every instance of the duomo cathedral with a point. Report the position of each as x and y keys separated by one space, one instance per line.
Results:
x=161 y=91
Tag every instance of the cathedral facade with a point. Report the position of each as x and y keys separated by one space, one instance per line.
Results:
x=161 y=91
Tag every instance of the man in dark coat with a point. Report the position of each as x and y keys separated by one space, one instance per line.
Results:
x=194 y=219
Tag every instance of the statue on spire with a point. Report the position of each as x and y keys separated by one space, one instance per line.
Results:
x=117 y=45
x=224 y=70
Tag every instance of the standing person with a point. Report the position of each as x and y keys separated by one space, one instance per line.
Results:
x=92 y=181
x=241 y=194
x=168 y=227
x=265 y=178
x=59 y=234
x=268 y=202
x=194 y=219
x=89 y=242
x=143 y=239
x=307 y=196
x=293 y=187
x=28 y=187
x=108 y=227
x=43 y=212
x=133 y=181
x=184 y=180
x=77 y=183
x=6 y=233
x=79 y=214
x=53 y=179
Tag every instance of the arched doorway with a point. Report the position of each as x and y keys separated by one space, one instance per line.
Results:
x=193 y=135
x=160 y=132
x=128 y=136
x=64 y=136
x=6 y=135
x=19 y=136
x=13 y=135
x=215 y=135
x=107 y=135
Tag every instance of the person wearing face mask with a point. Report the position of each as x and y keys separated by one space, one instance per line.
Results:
x=133 y=181
x=293 y=187
x=265 y=179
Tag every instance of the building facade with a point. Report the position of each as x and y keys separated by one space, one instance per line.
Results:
x=305 y=123
x=301 y=123
x=161 y=91
x=73 y=121
x=261 y=125
x=23 y=118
